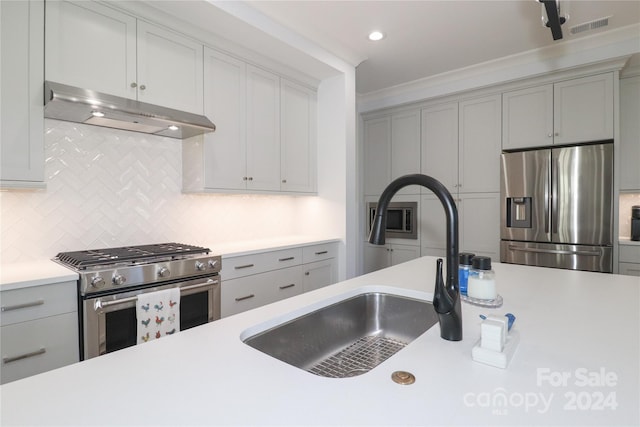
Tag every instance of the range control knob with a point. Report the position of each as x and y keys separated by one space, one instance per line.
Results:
x=119 y=280
x=200 y=266
x=164 y=272
x=213 y=263
x=97 y=282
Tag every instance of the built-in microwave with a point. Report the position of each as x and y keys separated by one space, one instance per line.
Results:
x=401 y=219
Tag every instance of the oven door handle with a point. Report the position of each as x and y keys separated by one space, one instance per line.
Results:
x=103 y=304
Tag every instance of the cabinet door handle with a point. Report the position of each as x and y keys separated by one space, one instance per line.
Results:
x=25 y=305
x=134 y=85
x=240 y=267
x=142 y=87
x=287 y=259
x=306 y=273
x=321 y=252
x=10 y=359
x=244 y=298
x=287 y=286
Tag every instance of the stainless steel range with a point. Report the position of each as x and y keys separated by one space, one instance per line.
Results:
x=111 y=280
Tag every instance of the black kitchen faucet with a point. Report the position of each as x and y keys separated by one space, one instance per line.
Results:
x=446 y=298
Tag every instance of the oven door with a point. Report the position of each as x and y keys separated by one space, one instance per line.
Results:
x=109 y=322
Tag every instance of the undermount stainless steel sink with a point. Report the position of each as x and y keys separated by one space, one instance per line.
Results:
x=350 y=337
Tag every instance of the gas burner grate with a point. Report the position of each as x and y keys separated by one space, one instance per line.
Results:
x=127 y=254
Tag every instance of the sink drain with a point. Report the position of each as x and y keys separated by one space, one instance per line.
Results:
x=403 y=377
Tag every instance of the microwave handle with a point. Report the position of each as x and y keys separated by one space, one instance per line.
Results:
x=100 y=304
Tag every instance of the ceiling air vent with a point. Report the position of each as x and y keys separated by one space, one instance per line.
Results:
x=591 y=25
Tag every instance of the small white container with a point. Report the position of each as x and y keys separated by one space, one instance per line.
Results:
x=482 y=279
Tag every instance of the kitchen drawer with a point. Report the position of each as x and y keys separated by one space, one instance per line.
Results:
x=319 y=252
x=249 y=292
x=629 y=253
x=246 y=265
x=629 y=268
x=20 y=305
x=45 y=344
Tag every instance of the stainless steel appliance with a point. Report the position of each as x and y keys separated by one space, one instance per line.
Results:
x=78 y=105
x=111 y=280
x=635 y=223
x=556 y=207
x=401 y=219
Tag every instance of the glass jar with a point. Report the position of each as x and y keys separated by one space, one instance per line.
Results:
x=463 y=270
x=482 y=279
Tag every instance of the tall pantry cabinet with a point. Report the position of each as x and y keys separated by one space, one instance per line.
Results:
x=391 y=149
x=461 y=143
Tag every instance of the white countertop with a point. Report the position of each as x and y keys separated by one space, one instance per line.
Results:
x=248 y=247
x=33 y=273
x=577 y=359
x=628 y=242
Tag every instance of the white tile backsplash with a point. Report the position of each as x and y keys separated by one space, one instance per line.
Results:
x=113 y=188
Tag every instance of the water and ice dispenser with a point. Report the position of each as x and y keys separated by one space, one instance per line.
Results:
x=519 y=212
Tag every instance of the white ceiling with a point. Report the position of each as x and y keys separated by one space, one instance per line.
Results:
x=431 y=37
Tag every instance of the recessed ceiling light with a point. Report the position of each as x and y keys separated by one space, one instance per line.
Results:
x=375 y=36
x=173 y=127
x=96 y=113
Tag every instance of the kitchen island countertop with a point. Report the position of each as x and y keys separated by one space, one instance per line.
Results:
x=576 y=364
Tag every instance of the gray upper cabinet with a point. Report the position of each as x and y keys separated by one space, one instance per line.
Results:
x=21 y=119
x=377 y=155
x=265 y=138
x=527 y=117
x=298 y=106
x=480 y=141
x=440 y=144
x=95 y=47
x=461 y=144
x=567 y=112
x=391 y=150
x=630 y=133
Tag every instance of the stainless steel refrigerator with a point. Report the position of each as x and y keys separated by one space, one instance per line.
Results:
x=556 y=207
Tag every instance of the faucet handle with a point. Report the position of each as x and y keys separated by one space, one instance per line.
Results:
x=442 y=301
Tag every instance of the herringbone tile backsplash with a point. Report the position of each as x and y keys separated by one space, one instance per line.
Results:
x=109 y=188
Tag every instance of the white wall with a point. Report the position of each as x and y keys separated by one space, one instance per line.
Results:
x=333 y=210
x=109 y=188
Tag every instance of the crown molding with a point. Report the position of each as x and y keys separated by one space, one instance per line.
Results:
x=602 y=52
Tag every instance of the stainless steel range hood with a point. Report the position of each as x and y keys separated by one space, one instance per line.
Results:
x=77 y=105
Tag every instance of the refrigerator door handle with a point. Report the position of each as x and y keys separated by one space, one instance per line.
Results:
x=555 y=196
x=555 y=251
x=547 y=197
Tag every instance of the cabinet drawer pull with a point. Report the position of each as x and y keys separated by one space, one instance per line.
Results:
x=25 y=305
x=6 y=360
x=287 y=259
x=244 y=298
x=240 y=267
x=306 y=273
x=287 y=286
x=322 y=252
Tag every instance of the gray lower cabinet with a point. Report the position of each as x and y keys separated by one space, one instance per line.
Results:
x=250 y=281
x=379 y=257
x=629 y=260
x=253 y=291
x=38 y=330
